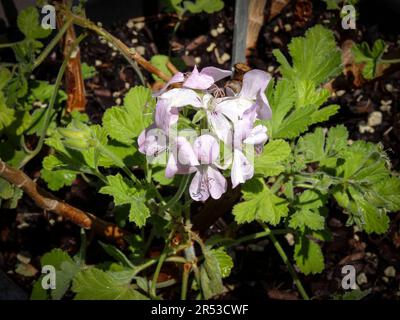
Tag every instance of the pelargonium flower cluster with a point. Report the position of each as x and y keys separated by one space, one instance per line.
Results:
x=229 y=121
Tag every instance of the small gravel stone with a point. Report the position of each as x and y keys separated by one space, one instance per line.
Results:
x=211 y=47
x=339 y=93
x=389 y=87
x=118 y=101
x=287 y=27
x=362 y=279
x=365 y=128
x=276 y=29
x=197 y=60
x=220 y=30
x=98 y=63
x=271 y=69
x=134 y=41
x=289 y=238
x=225 y=57
x=375 y=119
x=141 y=50
x=390 y=272
x=139 y=25
x=23 y=258
x=214 y=32
x=130 y=24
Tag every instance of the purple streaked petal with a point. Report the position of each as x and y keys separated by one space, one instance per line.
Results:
x=198 y=188
x=241 y=170
x=181 y=97
x=177 y=77
x=264 y=111
x=254 y=81
x=206 y=148
x=152 y=141
x=206 y=78
x=216 y=182
x=165 y=116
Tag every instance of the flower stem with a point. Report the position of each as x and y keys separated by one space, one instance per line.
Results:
x=285 y=259
x=160 y=263
x=390 y=61
x=182 y=187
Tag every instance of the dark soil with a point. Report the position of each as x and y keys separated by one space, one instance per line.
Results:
x=259 y=272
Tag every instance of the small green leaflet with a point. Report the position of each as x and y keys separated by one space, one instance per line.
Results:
x=270 y=162
x=224 y=260
x=6 y=114
x=308 y=256
x=95 y=284
x=210 y=275
x=315 y=57
x=260 y=204
x=369 y=57
x=208 y=6
x=124 y=192
x=160 y=61
x=307 y=213
x=28 y=23
x=88 y=72
x=55 y=177
x=66 y=269
x=125 y=123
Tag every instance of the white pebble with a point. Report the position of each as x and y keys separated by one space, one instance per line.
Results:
x=289 y=238
x=211 y=47
x=130 y=24
x=389 y=87
x=141 y=50
x=287 y=27
x=139 y=25
x=339 y=93
x=98 y=63
x=225 y=57
x=118 y=101
x=276 y=29
x=362 y=279
x=375 y=119
x=364 y=128
x=214 y=32
x=220 y=30
x=390 y=272
x=127 y=85
x=134 y=41
x=197 y=60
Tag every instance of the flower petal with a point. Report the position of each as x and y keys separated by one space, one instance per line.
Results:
x=152 y=141
x=220 y=126
x=254 y=81
x=216 y=182
x=165 y=116
x=177 y=77
x=242 y=169
x=206 y=78
x=233 y=107
x=206 y=148
x=257 y=136
x=264 y=111
x=181 y=97
x=216 y=73
x=198 y=188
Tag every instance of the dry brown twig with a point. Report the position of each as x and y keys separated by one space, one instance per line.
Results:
x=48 y=202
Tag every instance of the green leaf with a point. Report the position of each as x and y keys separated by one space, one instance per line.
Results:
x=65 y=267
x=123 y=193
x=270 y=162
x=369 y=57
x=388 y=191
x=88 y=72
x=6 y=189
x=210 y=276
x=307 y=65
x=28 y=23
x=224 y=260
x=55 y=177
x=117 y=254
x=208 y=6
x=160 y=61
x=127 y=122
x=6 y=114
x=95 y=284
x=336 y=140
x=308 y=256
x=260 y=204
x=356 y=294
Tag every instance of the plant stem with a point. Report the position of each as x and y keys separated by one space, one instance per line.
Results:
x=185 y=280
x=254 y=236
x=49 y=110
x=285 y=259
x=390 y=61
x=277 y=184
x=182 y=187
x=161 y=260
x=52 y=44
